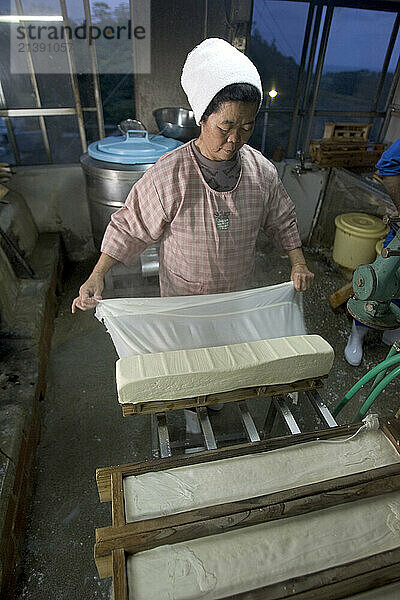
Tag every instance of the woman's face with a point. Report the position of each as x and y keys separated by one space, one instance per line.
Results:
x=225 y=131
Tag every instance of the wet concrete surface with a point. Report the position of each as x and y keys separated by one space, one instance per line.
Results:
x=83 y=428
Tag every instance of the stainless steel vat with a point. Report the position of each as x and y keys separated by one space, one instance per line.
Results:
x=107 y=186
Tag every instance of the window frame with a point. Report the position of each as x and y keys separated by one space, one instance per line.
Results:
x=309 y=77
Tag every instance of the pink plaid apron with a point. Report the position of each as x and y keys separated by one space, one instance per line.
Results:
x=208 y=238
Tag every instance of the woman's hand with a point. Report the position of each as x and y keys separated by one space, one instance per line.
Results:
x=302 y=278
x=89 y=292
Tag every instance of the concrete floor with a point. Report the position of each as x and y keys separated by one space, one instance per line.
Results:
x=83 y=427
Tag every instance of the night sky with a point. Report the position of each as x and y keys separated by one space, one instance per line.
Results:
x=358 y=38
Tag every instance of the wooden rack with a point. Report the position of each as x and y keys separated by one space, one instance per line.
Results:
x=279 y=400
x=155 y=406
x=346 y=132
x=115 y=543
x=345 y=145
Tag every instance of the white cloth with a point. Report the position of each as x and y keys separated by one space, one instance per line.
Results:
x=148 y=325
x=211 y=66
x=160 y=493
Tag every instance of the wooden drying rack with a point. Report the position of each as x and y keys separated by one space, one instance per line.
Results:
x=345 y=145
x=115 y=543
x=154 y=406
x=162 y=445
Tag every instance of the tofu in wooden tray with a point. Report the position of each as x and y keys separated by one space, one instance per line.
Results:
x=313 y=515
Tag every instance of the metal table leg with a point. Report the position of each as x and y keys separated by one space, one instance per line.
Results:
x=248 y=422
x=163 y=435
x=155 y=451
x=320 y=408
x=269 y=419
x=208 y=434
x=286 y=414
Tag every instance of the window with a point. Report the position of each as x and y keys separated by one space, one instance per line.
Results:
x=354 y=59
x=42 y=121
x=40 y=118
x=275 y=48
x=351 y=49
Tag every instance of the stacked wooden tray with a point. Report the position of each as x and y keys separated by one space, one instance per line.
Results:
x=179 y=539
x=345 y=145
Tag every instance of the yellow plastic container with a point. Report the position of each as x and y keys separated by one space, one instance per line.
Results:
x=378 y=247
x=356 y=237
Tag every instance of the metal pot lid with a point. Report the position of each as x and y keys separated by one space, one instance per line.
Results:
x=136 y=147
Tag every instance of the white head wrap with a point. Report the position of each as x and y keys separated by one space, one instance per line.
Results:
x=211 y=66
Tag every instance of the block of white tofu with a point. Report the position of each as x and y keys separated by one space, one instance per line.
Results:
x=201 y=371
x=237 y=561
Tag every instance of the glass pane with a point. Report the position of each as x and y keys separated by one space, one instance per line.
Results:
x=115 y=58
x=390 y=74
x=86 y=89
x=29 y=140
x=55 y=90
x=118 y=99
x=275 y=46
x=6 y=152
x=356 y=50
x=17 y=88
x=64 y=139
x=277 y=128
x=375 y=129
x=36 y=7
x=91 y=128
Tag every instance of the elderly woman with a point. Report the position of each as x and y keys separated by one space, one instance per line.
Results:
x=207 y=200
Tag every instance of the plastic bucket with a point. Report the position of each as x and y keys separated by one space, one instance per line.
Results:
x=379 y=246
x=355 y=239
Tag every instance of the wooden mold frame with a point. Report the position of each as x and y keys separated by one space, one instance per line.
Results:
x=156 y=406
x=332 y=154
x=114 y=544
x=346 y=131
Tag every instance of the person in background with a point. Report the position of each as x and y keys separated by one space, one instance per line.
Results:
x=207 y=200
x=389 y=171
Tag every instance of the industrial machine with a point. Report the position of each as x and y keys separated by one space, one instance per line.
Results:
x=377 y=285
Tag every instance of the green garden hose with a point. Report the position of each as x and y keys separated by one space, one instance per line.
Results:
x=372 y=396
x=383 y=366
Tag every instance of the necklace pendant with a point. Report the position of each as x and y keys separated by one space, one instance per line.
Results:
x=222 y=220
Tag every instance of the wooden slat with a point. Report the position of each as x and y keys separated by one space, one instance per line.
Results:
x=331 y=154
x=172 y=529
x=120 y=584
x=341 y=295
x=233 y=396
x=117 y=493
x=103 y=565
x=346 y=145
x=392 y=431
x=103 y=475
